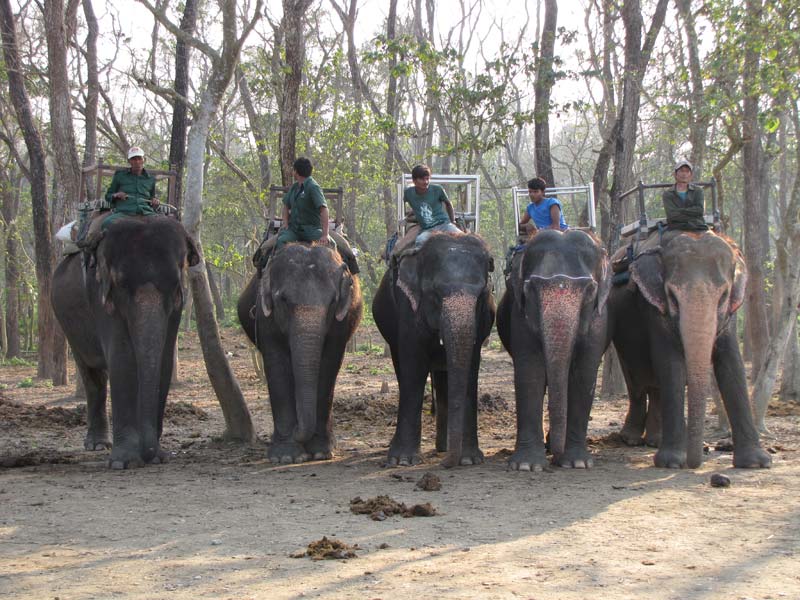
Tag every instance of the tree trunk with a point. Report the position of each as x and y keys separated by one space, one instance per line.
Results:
x=613 y=380
x=390 y=137
x=92 y=94
x=212 y=284
x=295 y=53
x=43 y=240
x=177 y=143
x=9 y=193
x=262 y=141
x=67 y=170
x=698 y=128
x=545 y=79
x=754 y=215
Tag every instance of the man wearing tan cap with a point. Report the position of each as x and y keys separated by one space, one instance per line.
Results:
x=683 y=203
x=132 y=191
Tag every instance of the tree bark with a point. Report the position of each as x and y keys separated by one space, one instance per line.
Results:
x=43 y=241
x=262 y=142
x=295 y=52
x=545 y=80
x=67 y=169
x=9 y=193
x=390 y=137
x=92 y=92
x=754 y=214
x=177 y=143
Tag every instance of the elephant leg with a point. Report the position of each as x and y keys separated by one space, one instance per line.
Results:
x=405 y=446
x=471 y=453
x=634 y=427
x=439 y=385
x=670 y=368
x=322 y=443
x=529 y=384
x=126 y=451
x=280 y=382
x=95 y=382
x=583 y=375
x=652 y=431
x=729 y=371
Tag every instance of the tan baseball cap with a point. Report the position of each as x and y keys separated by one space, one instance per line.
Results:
x=135 y=151
x=683 y=163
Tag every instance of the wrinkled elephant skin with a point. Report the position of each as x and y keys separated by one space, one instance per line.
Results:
x=673 y=325
x=120 y=314
x=553 y=321
x=300 y=314
x=434 y=309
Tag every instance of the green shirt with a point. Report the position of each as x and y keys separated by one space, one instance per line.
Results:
x=139 y=187
x=685 y=214
x=429 y=207
x=304 y=202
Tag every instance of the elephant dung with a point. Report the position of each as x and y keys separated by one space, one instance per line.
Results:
x=720 y=480
x=328 y=549
x=429 y=483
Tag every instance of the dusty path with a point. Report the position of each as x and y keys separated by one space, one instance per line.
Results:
x=220 y=522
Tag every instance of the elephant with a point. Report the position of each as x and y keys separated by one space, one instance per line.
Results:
x=553 y=322
x=300 y=312
x=120 y=307
x=434 y=307
x=671 y=322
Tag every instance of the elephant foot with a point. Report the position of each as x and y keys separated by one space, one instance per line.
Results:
x=319 y=448
x=631 y=436
x=753 y=457
x=466 y=458
x=161 y=457
x=125 y=460
x=574 y=458
x=95 y=441
x=287 y=453
x=652 y=440
x=528 y=459
x=667 y=458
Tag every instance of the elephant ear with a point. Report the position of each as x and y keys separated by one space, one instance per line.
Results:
x=265 y=294
x=406 y=280
x=345 y=297
x=739 y=283
x=647 y=272
x=604 y=277
x=192 y=251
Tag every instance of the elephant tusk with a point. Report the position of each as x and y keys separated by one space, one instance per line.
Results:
x=581 y=277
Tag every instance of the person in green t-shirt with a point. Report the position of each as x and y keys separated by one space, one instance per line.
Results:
x=683 y=203
x=132 y=191
x=305 y=213
x=430 y=205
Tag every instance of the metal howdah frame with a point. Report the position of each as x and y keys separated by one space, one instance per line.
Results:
x=471 y=216
x=570 y=190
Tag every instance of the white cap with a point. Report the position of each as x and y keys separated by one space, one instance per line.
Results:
x=135 y=151
x=683 y=163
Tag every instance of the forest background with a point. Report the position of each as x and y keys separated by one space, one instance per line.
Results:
x=229 y=93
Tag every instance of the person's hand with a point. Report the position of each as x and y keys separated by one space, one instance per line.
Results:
x=154 y=202
x=119 y=196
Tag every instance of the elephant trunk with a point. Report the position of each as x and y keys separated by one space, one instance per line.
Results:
x=458 y=331
x=698 y=331
x=148 y=329
x=561 y=301
x=307 y=339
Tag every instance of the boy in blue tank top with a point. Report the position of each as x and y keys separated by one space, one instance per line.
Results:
x=544 y=212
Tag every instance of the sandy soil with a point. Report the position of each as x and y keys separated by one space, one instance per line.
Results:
x=219 y=521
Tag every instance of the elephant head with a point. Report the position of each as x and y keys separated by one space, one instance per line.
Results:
x=303 y=291
x=138 y=284
x=696 y=281
x=560 y=283
x=448 y=288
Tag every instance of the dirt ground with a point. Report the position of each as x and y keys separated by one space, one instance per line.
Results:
x=219 y=521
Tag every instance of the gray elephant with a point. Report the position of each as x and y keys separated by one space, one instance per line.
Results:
x=300 y=313
x=120 y=310
x=434 y=308
x=671 y=323
x=552 y=319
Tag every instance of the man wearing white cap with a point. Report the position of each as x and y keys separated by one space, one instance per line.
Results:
x=132 y=191
x=683 y=203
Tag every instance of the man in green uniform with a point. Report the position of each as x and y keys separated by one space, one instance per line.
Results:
x=683 y=203
x=305 y=213
x=430 y=205
x=132 y=191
